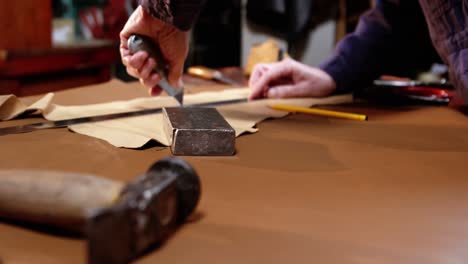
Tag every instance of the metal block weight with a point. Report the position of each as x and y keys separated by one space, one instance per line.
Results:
x=198 y=132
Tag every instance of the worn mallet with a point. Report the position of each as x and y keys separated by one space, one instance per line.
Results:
x=120 y=221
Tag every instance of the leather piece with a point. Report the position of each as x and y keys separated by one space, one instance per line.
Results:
x=135 y=132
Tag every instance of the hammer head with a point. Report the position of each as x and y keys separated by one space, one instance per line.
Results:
x=148 y=210
x=198 y=131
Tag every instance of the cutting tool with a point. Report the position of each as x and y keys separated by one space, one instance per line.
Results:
x=210 y=74
x=143 y=43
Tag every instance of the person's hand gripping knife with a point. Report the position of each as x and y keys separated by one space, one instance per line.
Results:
x=170 y=42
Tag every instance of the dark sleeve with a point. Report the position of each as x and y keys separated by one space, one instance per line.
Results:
x=372 y=49
x=180 y=13
x=448 y=23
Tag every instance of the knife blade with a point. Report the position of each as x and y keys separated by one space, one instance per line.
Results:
x=92 y=119
x=210 y=74
x=143 y=43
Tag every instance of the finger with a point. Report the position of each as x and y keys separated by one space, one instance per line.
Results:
x=297 y=90
x=257 y=73
x=125 y=55
x=285 y=91
x=274 y=73
x=133 y=72
x=125 y=60
x=151 y=81
x=147 y=68
x=124 y=36
x=138 y=59
x=124 y=51
x=256 y=92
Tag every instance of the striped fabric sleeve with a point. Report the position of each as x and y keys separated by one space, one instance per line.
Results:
x=448 y=24
x=180 y=13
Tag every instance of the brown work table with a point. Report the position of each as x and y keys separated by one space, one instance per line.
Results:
x=304 y=189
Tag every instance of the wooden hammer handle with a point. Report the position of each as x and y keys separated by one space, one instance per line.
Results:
x=53 y=198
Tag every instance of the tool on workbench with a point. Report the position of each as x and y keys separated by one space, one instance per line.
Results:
x=435 y=92
x=120 y=221
x=199 y=132
x=143 y=43
x=320 y=112
x=211 y=74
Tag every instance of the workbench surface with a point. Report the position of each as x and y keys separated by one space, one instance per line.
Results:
x=304 y=189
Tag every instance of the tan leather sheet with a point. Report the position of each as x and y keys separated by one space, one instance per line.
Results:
x=135 y=132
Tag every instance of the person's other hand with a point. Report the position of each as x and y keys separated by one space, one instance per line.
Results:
x=289 y=78
x=172 y=42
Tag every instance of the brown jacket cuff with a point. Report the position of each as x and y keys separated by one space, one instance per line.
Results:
x=180 y=13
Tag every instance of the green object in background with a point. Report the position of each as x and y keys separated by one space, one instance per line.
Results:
x=69 y=11
x=72 y=8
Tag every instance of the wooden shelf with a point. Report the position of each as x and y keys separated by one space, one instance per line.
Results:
x=33 y=71
x=30 y=64
x=25 y=24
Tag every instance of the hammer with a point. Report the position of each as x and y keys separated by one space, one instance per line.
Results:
x=120 y=221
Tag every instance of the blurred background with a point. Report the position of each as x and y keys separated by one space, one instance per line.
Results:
x=50 y=45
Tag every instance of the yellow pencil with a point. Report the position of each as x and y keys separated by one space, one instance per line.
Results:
x=321 y=112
